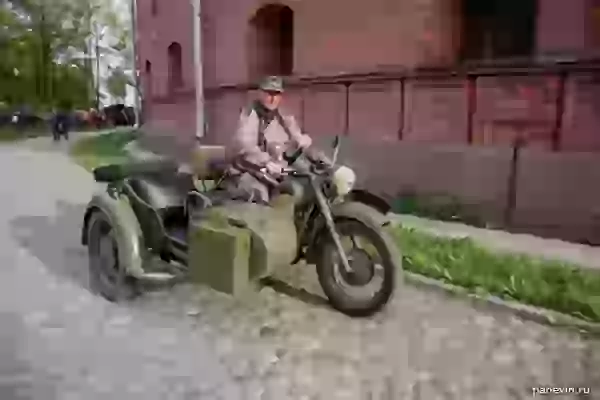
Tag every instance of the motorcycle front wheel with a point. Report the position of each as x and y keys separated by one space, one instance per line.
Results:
x=374 y=261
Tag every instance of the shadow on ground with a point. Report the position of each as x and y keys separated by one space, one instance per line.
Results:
x=55 y=241
x=299 y=293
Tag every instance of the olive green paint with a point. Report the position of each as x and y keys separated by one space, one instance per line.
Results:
x=219 y=257
x=233 y=246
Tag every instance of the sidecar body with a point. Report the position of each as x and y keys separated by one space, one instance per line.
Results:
x=151 y=211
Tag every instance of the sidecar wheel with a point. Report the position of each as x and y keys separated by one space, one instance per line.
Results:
x=342 y=288
x=107 y=276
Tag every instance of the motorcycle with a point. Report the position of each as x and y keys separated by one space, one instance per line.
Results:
x=150 y=209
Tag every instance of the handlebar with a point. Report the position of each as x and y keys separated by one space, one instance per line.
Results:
x=292 y=158
x=316 y=167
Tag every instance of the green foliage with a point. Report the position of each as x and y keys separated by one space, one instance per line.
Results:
x=10 y=134
x=117 y=84
x=38 y=39
x=554 y=285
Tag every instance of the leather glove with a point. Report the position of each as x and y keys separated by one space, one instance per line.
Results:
x=274 y=168
x=304 y=141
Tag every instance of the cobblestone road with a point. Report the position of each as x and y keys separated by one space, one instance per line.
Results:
x=57 y=341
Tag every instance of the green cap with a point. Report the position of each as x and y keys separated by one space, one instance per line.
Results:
x=272 y=84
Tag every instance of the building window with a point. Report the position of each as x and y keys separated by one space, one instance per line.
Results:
x=271 y=41
x=175 y=66
x=148 y=78
x=154 y=7
x=494 y=29
x=594 y=22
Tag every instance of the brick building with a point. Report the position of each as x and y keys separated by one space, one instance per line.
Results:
x=440 y=89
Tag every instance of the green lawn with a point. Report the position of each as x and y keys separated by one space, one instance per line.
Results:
x=103 y=149
x=549 y=284
x=10 y=134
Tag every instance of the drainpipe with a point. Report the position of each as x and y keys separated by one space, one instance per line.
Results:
x=136 y=76
x=197 y=43
x=97 y=51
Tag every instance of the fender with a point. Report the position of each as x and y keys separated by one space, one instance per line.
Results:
x=129 y=234
x=371 y=218
x=362 y=212
x=370 y=199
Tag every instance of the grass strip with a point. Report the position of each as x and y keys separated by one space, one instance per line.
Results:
x=553 y=285
x=10 y=134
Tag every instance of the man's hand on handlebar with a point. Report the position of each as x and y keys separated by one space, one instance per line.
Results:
x=274 y=168
x=319 y=159
x=304 y=141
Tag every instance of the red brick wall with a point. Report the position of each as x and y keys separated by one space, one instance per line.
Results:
x=436 y=111
x=379 y=32
x=562 y=28
x=173 y=23
x=376 y=111
x=370 y=34
x=582 y=113
x=433 y=117
x=509 y=107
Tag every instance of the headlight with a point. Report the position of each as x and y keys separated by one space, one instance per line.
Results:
x=343 y=180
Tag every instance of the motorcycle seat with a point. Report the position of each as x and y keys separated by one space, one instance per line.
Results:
x=163 y=191
x=117 y=172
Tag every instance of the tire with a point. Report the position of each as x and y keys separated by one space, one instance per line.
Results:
x=107 y=276
x=390 y=260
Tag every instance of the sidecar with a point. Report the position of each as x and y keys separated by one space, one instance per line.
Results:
x=152 y=211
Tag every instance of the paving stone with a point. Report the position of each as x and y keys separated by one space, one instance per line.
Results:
x=60 y=341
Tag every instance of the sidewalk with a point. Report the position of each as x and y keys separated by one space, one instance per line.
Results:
x=552 y=249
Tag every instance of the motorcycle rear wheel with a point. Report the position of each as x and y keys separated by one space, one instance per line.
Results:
x=330 y=270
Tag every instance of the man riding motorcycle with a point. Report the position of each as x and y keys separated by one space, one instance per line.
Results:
x=262 y=137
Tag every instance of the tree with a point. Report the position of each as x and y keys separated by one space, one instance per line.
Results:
x=41 y=48
x=117 y=84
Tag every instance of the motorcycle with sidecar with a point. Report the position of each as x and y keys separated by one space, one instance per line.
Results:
x=152 y=209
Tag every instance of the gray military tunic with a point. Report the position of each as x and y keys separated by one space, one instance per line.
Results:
x=247 y=145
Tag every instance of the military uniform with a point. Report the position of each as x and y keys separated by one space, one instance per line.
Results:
x=261 y=137
x=259 y=141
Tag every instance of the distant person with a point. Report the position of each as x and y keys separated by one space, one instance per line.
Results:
x=60 y=125
x=95 y=118
x=18 y=121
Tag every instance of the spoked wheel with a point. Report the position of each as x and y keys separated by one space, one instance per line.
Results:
x=107 y=276
x=368 y=286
